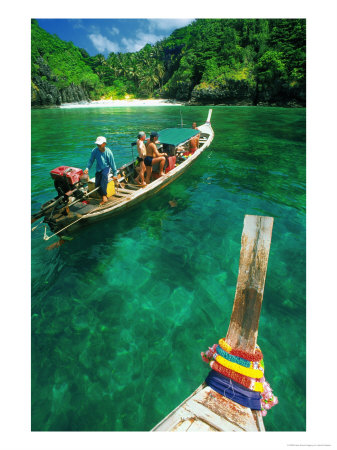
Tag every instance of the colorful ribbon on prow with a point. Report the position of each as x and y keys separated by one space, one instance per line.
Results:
x=239 y=376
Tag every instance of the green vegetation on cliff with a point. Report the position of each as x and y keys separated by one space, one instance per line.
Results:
x=60 y=62
x=256 y=58
x=249 y=61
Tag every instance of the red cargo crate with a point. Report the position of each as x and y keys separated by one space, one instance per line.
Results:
x=171 y=163
x=72 y=173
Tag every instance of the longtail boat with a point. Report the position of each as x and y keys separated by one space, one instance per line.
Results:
x=78 y=202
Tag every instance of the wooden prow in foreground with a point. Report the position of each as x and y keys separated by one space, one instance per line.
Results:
x=205 y=409
x=255 y=245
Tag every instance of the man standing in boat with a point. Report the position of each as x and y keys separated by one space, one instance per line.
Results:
x=153 y=157
x=104 y=162
x=141 y=156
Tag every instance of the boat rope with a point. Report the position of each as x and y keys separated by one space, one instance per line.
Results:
x=231 y=387
x=37 y=226
x=234 y=392
x=46 y=237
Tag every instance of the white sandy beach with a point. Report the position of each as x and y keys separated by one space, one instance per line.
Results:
x=119 y=103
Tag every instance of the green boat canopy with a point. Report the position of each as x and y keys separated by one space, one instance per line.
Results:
x=176 y=136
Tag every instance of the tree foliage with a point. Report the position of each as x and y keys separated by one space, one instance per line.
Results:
x=64 y=62
x=261 y=53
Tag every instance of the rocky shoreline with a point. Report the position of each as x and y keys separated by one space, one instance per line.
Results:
x=162 y=102
x=280 y=103
x=149 y=102
x=85 y=102
x=242 y=93
x=46 y=94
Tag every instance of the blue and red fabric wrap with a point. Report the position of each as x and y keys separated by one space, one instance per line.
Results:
x=233 y=391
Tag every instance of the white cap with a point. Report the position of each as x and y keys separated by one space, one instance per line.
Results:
x=100 y=140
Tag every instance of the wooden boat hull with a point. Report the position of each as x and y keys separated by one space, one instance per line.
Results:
x=206 y=410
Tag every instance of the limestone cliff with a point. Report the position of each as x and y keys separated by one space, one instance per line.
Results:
x=44 y=90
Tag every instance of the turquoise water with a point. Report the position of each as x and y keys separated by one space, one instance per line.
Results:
x=121 y=313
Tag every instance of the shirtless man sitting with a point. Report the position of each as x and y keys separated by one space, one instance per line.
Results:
x=153 y=157
x=194 y=142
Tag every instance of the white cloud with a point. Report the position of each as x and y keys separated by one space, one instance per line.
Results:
x=150 y=32
x=101 y=43
x=113 y=31
x=133 y=45
x=167 y=24
x=130 y=45
x=76 y=23
x=94 y=29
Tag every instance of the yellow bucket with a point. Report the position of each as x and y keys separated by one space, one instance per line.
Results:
x=110 y=189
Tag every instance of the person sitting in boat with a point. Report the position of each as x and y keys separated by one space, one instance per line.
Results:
x=194 y=144
x=104 y=162
x=153 y=157
x=141 y=156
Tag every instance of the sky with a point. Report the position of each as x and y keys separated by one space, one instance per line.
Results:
x=112 y=35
